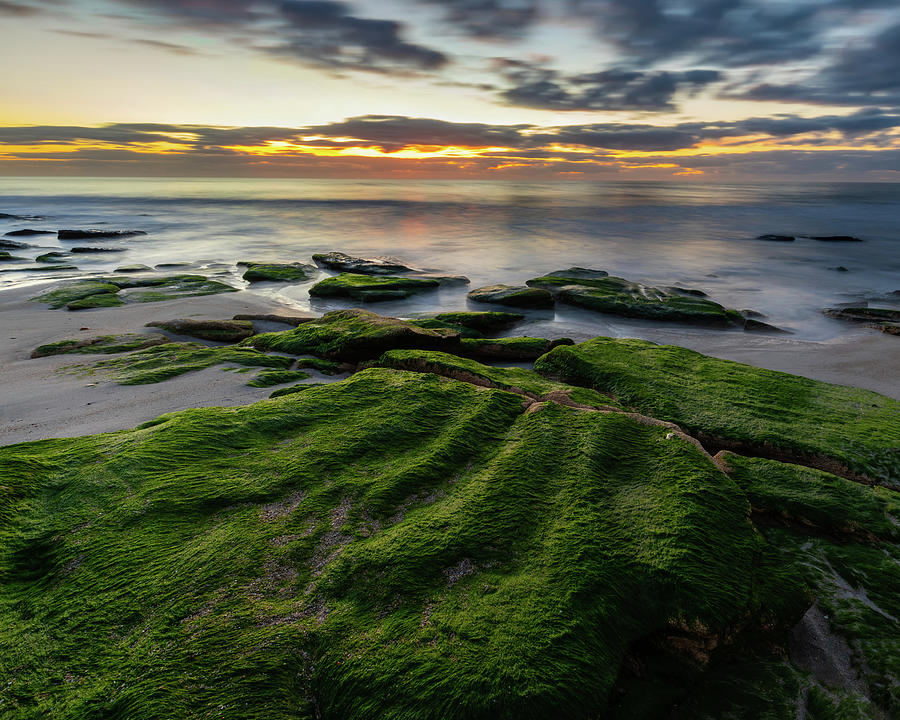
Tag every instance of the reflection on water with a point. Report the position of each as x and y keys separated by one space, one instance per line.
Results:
x=663 y=233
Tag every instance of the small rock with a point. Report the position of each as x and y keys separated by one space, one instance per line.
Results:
x=95 y=250
x=513 y=296
x=364 y=266
x=218 y=330
x=836 y=238
x=776 y=238
x=27 y=232
x=133 y=269
x=93 y=234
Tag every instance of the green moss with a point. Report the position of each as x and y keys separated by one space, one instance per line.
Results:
x=514 y=379
x=293 y=389
x=104 y=344
x=268 y=378
x=630 y=299
x=278 y=272
x=367 y=288
x=394 y=545
x=352 y=335
x=326 y=367
x=435 y=324
x=509 y=348
x=766 y=412
x=816 y=499
x=100 y=300
x=163 y=362
x=62 y=296
x=50 y=257
x=484 y=322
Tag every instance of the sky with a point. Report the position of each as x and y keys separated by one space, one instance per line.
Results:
x=709 y=90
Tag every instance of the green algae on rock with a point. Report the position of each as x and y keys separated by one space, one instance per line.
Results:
x=728 y=405
x=486 y=322
x=366 y=288
x=268 y=378
x=162 y=362
x=100 y=300
x=103 y=344
x=51 y=257
x=513 y=379
x=278 y=272
x=216 y=330
x=596 y=290
x=509 y=348
x=326 y=367
x=65 y=294
x=354 y=335
x=394 y=545
x=513 y=296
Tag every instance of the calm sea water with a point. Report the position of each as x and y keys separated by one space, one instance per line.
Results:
x=661 y=233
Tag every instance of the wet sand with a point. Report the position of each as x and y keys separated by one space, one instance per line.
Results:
x=42 y=400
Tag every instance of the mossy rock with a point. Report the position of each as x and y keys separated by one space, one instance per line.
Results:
x=269 y=378
x=884 y=319
x=278 y=272
x=217 y=330
x=394 y=545
x=51 y=257
x=435 y=324
x=513 y=379
x=103 y=344
x=326 y=367
x=617 y=296
x=162 y=362
x=293 y=389
x=362 y=266
x=100 y=300
x=366 y=288
x=486 y=322
x=353 y=335
x=62 y=296
x=851 y=432
x=174 y=287
x=509 y=348
x=6 y=257
x=136 y=268
x=514 y=296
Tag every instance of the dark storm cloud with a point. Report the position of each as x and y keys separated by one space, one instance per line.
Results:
x=867 y=74
x=534 y=86
x=318 y=32
x=488 y=19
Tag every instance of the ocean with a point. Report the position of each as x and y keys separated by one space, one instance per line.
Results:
x=696 y=235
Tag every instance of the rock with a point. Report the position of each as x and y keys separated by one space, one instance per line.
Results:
x=105 y=344
x=752 y=325
x=366 y=288
x=514 y=296
x=278 y=272
x=27 y=232
x=776 y=238
x=618 y=296
x=6 y=257
x=354 y=335
x=100 y=300
x=96 y=234
x=515 y=349
x=12 y=244
x=686 y=291
x=96 y=250
x=41 y=268
x=839 y=268
x=445 y=279
x=836 y=238
x=751 y=314
x=137 y=268
x=219 y=330
x=172 y=265
x=484 y=322
x=50 y=257
x=884 y=319
x=294 y=320
x=363 y=266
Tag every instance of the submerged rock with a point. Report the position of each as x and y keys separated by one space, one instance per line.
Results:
x=99 y=300
x=294 y=320
x=96 y=250
x=836 y=238
x=51 y=257
x=137 y=268
x=13 y=244
x=363 y=266
x=104 y=344
x=366 y=288
x=354 y=335
x=278 y=272
x=65 y=294
x=96 y=234
x=28 y=232
x=618 y=296
x=218 y=330
x=513 y=296
x=884 y=319
x=485 y=321
x=75 y=295
x=776 y=238
x=6 y=257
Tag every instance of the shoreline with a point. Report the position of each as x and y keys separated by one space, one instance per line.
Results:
x=42 y=401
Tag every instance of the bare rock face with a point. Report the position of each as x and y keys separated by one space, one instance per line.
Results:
x=218 y=330
x=363 y=266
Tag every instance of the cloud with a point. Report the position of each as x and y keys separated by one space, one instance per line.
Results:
x=489 y=19
x=534 y=86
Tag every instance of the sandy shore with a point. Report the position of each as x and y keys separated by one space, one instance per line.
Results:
x=40 y=400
